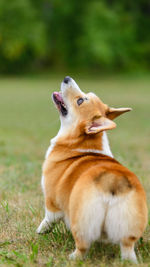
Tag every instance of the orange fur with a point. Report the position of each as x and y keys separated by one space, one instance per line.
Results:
x=73 y=179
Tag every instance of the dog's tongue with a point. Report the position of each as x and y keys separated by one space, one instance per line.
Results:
x=58 y=96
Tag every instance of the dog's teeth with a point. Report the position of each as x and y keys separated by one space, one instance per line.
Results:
x=64 y=105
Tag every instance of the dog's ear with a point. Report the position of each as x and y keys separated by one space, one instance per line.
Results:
x=98 y=125
x=112 y=113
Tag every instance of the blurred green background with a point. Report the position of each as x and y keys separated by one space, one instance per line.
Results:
x=106 y=35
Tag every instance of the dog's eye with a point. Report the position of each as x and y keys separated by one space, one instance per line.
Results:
x=80 y=101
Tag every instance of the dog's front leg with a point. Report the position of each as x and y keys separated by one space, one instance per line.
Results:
x=50 y=217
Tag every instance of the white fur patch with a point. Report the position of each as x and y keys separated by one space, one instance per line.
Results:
x=71 y=84
x=115 y=215
x=128 y=253
x=67 y=222
x=89 y=224
x=105 y=144
x=47 y=221
x=120 y=217
x=50 y=148
x=48 y=152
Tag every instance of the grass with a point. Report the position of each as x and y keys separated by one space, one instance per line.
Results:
x=28 y=121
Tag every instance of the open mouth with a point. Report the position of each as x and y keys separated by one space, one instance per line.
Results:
x=57 y=97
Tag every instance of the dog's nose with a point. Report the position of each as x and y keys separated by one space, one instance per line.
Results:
x=67 y=79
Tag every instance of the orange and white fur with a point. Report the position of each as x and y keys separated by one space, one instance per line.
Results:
x=98 y=198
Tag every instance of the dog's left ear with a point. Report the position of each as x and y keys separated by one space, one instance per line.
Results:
x=112 y=113
x=98 y=125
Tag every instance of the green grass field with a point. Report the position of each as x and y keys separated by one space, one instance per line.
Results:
x=28 y=120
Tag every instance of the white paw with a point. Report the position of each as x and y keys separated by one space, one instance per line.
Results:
x=73 y=256
x=128 y=254
x=39 y=230
x=76 y=255
x=131 y=258
x=43 y=227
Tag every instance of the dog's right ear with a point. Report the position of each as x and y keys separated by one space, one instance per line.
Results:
x=98 y=125
x=112 y=113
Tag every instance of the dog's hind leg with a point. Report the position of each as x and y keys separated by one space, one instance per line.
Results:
x=87 y=220
x=127 y=249
x=81 y=247
x=50 y=217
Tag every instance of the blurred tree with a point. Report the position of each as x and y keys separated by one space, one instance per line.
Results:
x=22 y=34
x=106 y=34
x=64 y=26
x=109 y=35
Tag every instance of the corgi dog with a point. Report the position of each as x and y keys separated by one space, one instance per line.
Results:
x=98 y=198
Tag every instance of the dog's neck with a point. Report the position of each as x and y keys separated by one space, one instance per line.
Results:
x=69 y=145
x=104 y=148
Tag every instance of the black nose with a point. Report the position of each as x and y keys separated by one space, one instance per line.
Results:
x=67 y=79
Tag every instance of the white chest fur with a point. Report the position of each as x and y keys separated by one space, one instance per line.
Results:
x=105 y=145
x=48 y=152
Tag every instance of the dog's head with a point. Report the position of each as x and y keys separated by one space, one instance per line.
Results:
x=84 y=112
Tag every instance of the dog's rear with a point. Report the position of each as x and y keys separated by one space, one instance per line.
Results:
x=83 y=184
x=107 y=202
